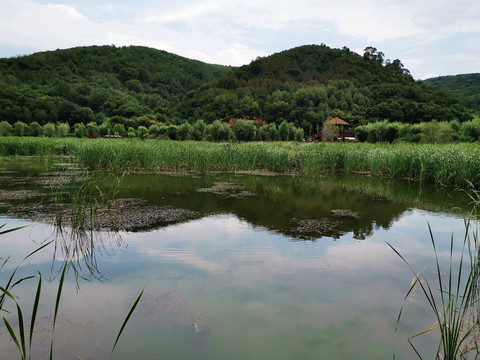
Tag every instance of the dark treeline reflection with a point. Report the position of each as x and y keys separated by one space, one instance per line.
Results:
x=302 y=208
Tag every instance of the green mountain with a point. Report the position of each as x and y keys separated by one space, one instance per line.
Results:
x=136 y=86
x=94 y=83
x=307 y=84
x=467 y=85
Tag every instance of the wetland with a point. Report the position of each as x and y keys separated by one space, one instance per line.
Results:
x=234 y=265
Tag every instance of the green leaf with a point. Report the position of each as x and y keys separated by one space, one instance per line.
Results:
x=126 y=320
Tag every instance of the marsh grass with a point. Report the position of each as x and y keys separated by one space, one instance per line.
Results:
x=444 y=164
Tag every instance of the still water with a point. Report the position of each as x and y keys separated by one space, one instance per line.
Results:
x=233 y=266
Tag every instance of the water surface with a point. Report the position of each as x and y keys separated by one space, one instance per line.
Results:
x=262 y=267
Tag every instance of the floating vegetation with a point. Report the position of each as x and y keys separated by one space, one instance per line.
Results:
x=9 y=195
x=313 y=228
x=345 y=213
x=227 y=189
x=135 y=214
x=220 y=188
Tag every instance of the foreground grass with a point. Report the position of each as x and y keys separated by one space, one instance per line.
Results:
x=449 y=164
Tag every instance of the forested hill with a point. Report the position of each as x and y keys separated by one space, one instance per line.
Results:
x=135 y=86
x=98 y=82
x=305 y=85
x=467 y=85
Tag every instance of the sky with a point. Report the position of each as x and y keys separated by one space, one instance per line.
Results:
x=430 y=37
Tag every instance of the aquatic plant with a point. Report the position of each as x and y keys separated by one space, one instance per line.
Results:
x=444 y=164
x=23 y=341
x=453 y=299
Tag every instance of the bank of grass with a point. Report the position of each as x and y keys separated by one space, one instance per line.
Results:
x=445 y=164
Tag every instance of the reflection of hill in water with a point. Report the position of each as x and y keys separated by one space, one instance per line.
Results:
x=303 y=208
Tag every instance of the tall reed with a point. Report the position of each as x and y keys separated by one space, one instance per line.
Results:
x=445 y=164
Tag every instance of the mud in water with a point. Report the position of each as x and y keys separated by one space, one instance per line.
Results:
x=9 y=195
x=227 y=189
x=345 y=213
x=312 y=228
x=121 y=215
x=136 y=214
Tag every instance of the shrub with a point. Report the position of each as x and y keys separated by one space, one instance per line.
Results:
x=198 y=132
x=283 y=131
x=80 y=130
x=118 y=129
x=104 y=129
x=184 y=131
x=5 y=128
x=154 y=130
x=172 y=132
x=49 y=129
x=35 y=129
x=63 y=130
x=20 y=128
x=244 y=131
x=142 y=131
x=92 y=129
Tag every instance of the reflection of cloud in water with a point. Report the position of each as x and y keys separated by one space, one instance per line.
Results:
x=224 y=243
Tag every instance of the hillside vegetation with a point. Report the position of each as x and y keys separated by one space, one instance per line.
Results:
x=97 y=83
x=101 y=90
x=467 y=85
x=308 y=84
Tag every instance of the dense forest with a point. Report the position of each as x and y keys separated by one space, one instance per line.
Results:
x=467 y=85
x=97 y=89
x=99 y=83
x=308 y=84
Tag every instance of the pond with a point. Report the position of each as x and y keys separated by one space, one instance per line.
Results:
x=234 y=266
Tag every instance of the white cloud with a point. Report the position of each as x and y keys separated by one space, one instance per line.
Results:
x=233 y=32
x=68 y=10
x=429 y=75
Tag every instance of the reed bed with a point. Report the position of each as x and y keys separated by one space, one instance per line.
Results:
x=445 y=164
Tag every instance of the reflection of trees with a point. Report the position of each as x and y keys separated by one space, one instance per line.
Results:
x=282 y=200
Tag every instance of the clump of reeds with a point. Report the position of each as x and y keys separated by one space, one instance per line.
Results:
x=445 y=164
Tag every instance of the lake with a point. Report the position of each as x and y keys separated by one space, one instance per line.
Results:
x=234 y=266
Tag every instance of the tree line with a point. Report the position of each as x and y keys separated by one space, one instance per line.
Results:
x=239 y=130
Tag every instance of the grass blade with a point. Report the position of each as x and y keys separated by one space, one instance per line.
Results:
x=34 y=312
x=10 y=230
x=57 y=304
x=13 y=336
x=21 y=330
x=126 y=320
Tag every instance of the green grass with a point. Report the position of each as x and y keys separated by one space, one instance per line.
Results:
x=445 y=164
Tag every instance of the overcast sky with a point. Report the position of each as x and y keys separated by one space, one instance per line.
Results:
x=430 y=37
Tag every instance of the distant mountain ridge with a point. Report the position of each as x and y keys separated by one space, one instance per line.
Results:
x=467 y=85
